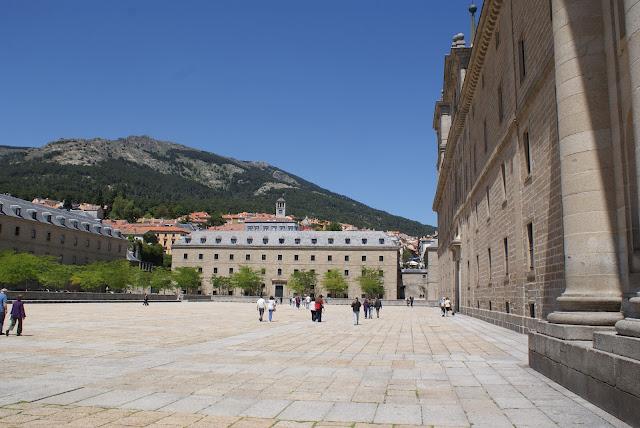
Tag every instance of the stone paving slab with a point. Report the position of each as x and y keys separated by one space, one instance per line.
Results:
x=214 y=365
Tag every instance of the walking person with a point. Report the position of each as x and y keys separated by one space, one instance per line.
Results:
x=145 y=302
x=17 y=315
x=3 y=306
x=312 y=307
x=411 y=300
x=307 y=301
x=447 y=305
x=377 y=304
x=355 y=307
x=261 y=305
x=271 y=307
x=366 y=307
x=319 y=308
x=442 y=307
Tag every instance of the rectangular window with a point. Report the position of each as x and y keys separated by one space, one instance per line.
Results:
x=532 y=310
x=485 y=137
x=329 y=258
x=500 y=104
x=263 y=271
x=313 y=258
x=200 y=256
x=264 y=257
x=505 y=242
x=530 y=245
x=200 y=269
x=507 y=307
x=17 y=231
x=296 y=257
x=490 y=267
x=503 y=170
x=279 y=272
x=346 y=258
x=33 y=234
x=346 y=272
x=230 y=271
x=215 y=270
x=48 y=236
x=215 y=257
x=526 y=148
x=380 y=258
x=185 y=256
x=488 y=203
x=381 y=273
x=522 y=60
x=230 y=256
x=247 y=257
x=364 y=258
x=279 y=257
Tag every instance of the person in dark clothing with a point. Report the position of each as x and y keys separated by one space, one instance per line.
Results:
x=145 y=302
x=366 y=306
x=319 y=307
x=17 y=315
x=355 y=307
x=377 y=304
x=411 y=301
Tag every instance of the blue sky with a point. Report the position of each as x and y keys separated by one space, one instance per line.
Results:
x=339 y=92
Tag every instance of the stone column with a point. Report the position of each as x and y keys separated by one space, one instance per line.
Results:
x=593 y=292
x=631 y=326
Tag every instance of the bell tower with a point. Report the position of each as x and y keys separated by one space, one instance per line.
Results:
x=281 y=207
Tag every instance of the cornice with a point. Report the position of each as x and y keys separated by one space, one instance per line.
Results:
x=486 y=28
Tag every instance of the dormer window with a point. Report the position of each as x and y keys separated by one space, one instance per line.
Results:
x=188 y=241
x=330 y=240
x=265 y=240
x=1 y=207
x=249 y=240
x=364 y=241
x=234 y=240
x=16 y=209
x=47 y=218
x=297 y=241
x=62 y=220
x=347 y=240
x=203 y=240
x=218 y=239
x=381 y=240
x=87 y=226
x=281 y=240
x=314 y=240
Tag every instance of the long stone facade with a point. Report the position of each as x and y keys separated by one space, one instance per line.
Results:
x=277 y=254
x=69 y=237
x=537 y=194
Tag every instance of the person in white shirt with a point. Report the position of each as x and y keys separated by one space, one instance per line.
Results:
x=312 y=306
x=261 y=306
x=271 y=307
x=307 y=301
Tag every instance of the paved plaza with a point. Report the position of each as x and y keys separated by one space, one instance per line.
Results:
x=214 y=365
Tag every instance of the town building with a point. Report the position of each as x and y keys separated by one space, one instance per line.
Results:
x=278 y=254
x=70 y=237
x=167 y=235
x=538 y=135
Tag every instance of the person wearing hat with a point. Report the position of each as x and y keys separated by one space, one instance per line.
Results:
x=3 y=306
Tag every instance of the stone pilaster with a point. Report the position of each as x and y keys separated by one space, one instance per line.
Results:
x=593 y=292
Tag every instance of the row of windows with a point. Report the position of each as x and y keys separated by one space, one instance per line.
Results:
x=265 y=228
x=17 y=231
x=508 y=309
x=297 y=241
x=505 y=252
x=296 y=257
x=263 y=271
x=63 y=221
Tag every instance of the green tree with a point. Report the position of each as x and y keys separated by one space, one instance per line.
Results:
x=215 y=219
x=371 y=283
x=151 y=253
x=302 y=281
x=55 y=275
x=150 y=238
x=140 y=279
x=161 y=280
x=247 y=279
x=407 y=255
x=124 y=209
x=334 y=226
x=334 y=283
x=221 y=283
x=19 y=268
x=187 y=278
x=166 y=260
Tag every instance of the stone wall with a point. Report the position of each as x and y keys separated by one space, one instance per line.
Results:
x=72 y=297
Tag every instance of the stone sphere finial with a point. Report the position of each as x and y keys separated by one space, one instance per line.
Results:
x=473 y=8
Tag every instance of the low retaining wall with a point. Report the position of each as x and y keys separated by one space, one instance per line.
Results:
x=86 y=297
x=513 y=322
x=329 y=301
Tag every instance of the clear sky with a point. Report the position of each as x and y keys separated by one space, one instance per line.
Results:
x=339 y=92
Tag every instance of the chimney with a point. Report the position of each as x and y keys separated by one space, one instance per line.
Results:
x=472 y=10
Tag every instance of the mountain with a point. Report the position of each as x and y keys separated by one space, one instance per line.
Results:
x=160 y=176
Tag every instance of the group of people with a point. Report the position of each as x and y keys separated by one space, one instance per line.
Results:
x=17 y=313
x=445 y=306
x=410 y=301
x=263 y=305
x=368 y=306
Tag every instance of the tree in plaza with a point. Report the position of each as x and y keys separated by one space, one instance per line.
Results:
x=140 y=279
x=187 y=278
x=19 y=268
x=55 y=275
x=161 y=279
x=150 y=238
x=334 y=283
x=334 y=226
x=371 y=283
x=221 y=283
x=302 y=282
x=247 y=279
x=90 y=277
